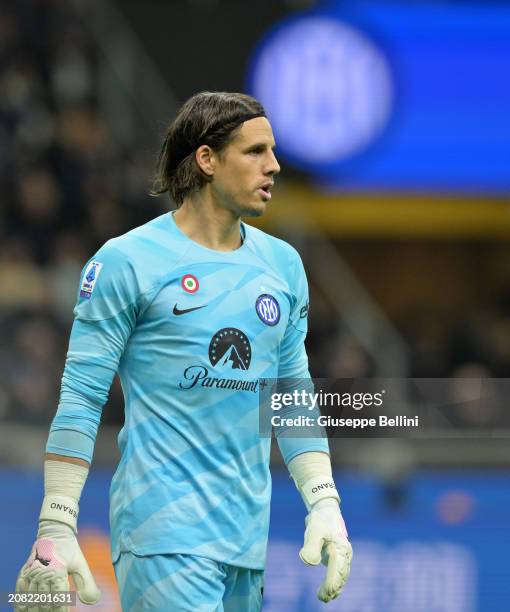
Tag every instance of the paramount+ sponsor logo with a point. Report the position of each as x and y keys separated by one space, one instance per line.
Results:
x=229 y=351
x=63 y=508
x=199 y=375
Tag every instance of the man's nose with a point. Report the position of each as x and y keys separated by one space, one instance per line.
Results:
x=273 y=166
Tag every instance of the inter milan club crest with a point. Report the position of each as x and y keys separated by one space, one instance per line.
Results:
x=190 y=283
x=230 y=349
x=268 y=309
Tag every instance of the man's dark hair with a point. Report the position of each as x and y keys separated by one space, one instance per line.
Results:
x=209 y=118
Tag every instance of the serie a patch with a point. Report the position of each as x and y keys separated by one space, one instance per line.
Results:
x=89 y=279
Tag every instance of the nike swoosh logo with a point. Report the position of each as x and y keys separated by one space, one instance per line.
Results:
x=178 y=311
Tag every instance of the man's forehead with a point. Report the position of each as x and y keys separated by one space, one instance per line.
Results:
x=258 y=129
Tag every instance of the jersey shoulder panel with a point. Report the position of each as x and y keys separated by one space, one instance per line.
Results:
x=128 y=269
x=275 y=253
x=153 y=247
x=286 y=261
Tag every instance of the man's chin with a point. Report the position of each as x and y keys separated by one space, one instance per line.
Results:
x=254 y=210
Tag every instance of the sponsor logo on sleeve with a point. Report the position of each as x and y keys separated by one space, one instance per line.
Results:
x=89 y=279
x=303 y=313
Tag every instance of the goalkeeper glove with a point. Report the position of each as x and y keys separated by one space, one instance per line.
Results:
x=326 y=537
x=326 y=540
x=56 y=553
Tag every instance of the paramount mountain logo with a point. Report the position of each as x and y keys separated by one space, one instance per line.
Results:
x=229 y=349
x=232 y=360
x=230 y=346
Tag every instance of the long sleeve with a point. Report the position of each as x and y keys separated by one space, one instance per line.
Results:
x=105 y=316
x=293 y=367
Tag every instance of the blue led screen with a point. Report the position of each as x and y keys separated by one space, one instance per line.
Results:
x=391 y=96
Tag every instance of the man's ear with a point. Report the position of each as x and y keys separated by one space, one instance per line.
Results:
x=206 y=159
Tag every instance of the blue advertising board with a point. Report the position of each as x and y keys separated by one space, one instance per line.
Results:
x=437 y=542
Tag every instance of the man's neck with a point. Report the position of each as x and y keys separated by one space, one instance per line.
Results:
x=209 y=225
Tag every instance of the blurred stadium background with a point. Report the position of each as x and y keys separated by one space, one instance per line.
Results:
x=393 y=124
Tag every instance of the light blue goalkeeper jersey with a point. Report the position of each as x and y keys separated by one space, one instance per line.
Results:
x=191 y=332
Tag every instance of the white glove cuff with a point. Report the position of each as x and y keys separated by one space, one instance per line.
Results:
x=317 y=488
x=312 y=474
x=63 y=484
x=61 y=509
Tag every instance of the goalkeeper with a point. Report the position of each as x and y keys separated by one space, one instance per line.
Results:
x=192 y=310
